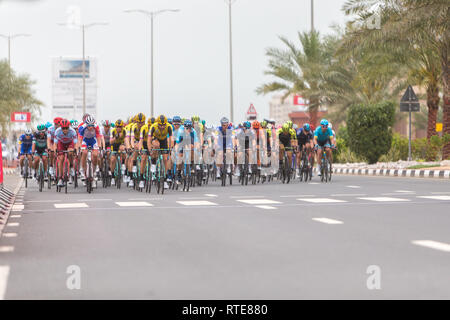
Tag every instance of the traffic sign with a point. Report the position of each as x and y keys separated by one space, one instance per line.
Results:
x=409 y=101
x=251 y=110
x=21 y=117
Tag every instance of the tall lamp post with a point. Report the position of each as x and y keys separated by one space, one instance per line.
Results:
x=229 y=3
x=9 y=38
x=151 y=15
x=83 y=28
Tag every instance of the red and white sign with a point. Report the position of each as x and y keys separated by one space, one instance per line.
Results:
x=300 y=101
x=251 y=110
x=21 y=117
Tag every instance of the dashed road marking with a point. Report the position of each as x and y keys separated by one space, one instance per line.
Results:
x=313 y=183
x=211 y=195
x=259 y=201
x=435 y=197
x=322 y=200
x=354 y=187
x=349 y=194
x=134 y=204
x=384 y=199
x=43 y=201
x=197 y=203
x=4 y=274
x=327 y=221
x=6 y=249
x=15 y=216
x=9 y=235
x=18 y=207
x=433 y=245
x=70 y=205
x=266 y=207
x=13 y=224
x=405 y=191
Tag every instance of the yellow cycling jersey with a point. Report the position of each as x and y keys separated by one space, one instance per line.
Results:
x=144 y=132
x=119 y=137
x=135 y=131
x=158 y=134
x=292 y=133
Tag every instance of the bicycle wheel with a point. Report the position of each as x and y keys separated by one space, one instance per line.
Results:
x=25 y=169
x=41 y=176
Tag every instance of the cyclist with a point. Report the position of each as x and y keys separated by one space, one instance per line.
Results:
x=117 y=141
x=133 y=136
x=260 y=140
x=40 y=148
x=224 y=140
x=187 y=139
x=65 y=140
x=160 y=136
x=50 y=140
x=324 y=138
x=25 y=147
x=105 y=131
x=90 y=135
x=143 y=147
x=245 y=144
x=305 y=140
x=286 y=137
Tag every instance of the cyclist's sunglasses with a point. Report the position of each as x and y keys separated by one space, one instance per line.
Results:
x=177 y=123
x=324 y=126
x=65 y=128
x=90 y=126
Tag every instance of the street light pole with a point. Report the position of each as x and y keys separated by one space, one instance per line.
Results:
x=230 y=2
x=9 y=38
x=151 y=15
x=312 y=15
x=83 y=28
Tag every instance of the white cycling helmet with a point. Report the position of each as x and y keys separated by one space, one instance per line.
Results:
x=330 y=126
x=28 y=132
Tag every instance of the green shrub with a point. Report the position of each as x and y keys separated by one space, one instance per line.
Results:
x=370 y=129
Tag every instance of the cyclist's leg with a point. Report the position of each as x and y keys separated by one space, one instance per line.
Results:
x=45 y=161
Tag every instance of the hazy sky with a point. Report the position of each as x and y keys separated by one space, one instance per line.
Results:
x=191 y=50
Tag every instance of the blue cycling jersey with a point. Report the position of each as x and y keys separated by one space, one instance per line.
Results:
x=25 y=142
x=181 y=134
x=323 y=135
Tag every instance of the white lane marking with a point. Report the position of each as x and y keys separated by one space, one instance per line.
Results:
x=4 y=274
x=13 y=224
x=384 y=199
x=440 y=192
x=397 y=194
x=313 y=183
x=6 y=249
x=404 y=191
x=349 y=195
x=266 y=207
x=18 y=207
x=94 y=200
x=211 y=195
x=197 y=203
x=37 y=201
x=15 y=216
x=70 y=205
x=243 y=197
x=9 y=235
x=433 y=245
x=259 y=201
x=435 y=197
x=354 y=187
x=134 y=204
x=321 y=200
x=300 y=195
x=327 y=221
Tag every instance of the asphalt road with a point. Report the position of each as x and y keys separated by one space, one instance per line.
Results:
x=271 y=241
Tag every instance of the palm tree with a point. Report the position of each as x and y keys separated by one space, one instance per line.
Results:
x=300 y=70
x=424 y=25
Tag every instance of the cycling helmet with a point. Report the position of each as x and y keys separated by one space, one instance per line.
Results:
x=285 y=127
x=330 y=125
x=176 y=119
x=247 y=125
x=57 y=120
x=140 y=118
x=106 y=123
x=28 y=132
x=224 y=120
x=74 y=124
x=90 y=121
x=256 y=125
x=65 y=123
x=151 y=120
x=48 y=125
x=41 y=127
x=195 y=119
x=161 y=120
x=119 y=123
x=85 y=116
x=306 y=127
x=290 y=124
x=188 y=124
x=169 y=120
x=264 y=124
x=324 y=122
x=203 y=122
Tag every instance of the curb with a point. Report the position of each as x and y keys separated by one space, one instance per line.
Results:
x=442 y=174
x=7 y=199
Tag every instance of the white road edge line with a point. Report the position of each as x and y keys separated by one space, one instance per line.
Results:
x=432 y=244
x=6 y=249
x=4 y=274
x=266 y=207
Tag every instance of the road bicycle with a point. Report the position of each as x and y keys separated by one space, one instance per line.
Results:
x=40 y=175
x=65 y=171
